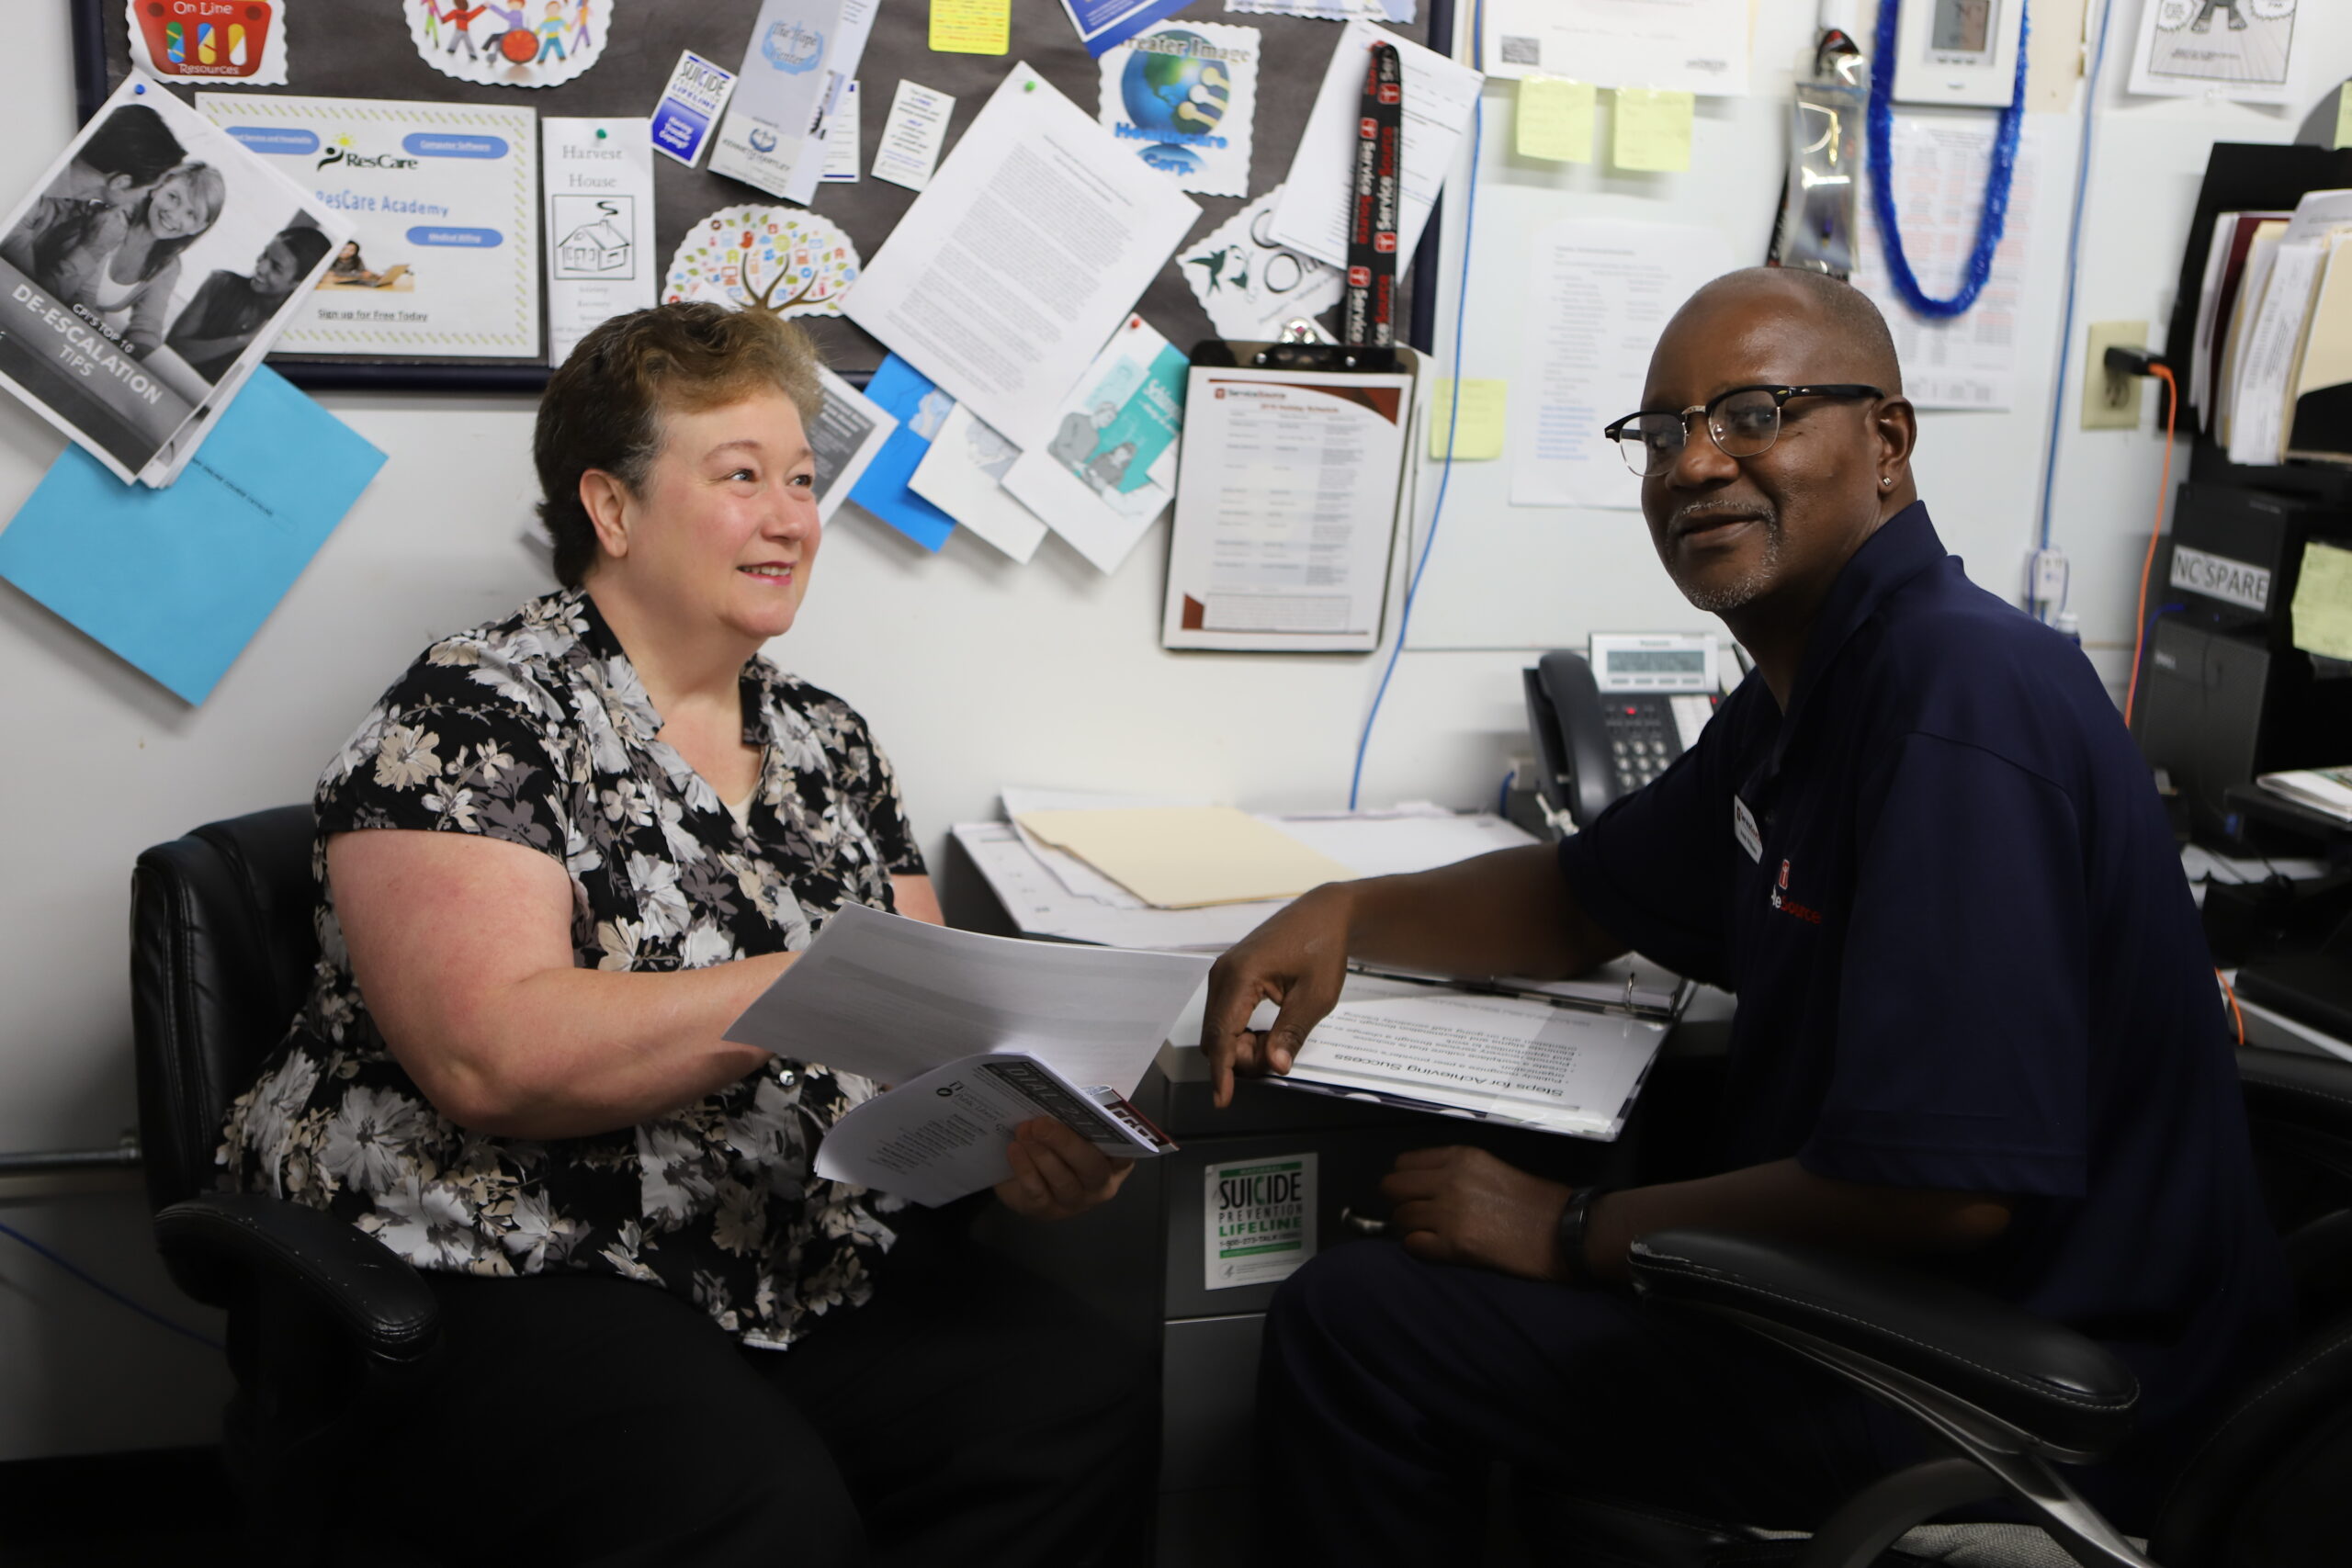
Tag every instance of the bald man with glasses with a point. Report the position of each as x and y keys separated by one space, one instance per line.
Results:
x=1976 y=1024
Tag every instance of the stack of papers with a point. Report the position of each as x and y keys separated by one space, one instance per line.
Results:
x=2274 y=333
x=970 y=1036
x=1050 y=892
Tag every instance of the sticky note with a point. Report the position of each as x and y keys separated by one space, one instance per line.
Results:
x=2322 y=608
x=1555 y=119
x=1653 y=130
x=971 y=27
x=1481 y=432
x=2344 y=116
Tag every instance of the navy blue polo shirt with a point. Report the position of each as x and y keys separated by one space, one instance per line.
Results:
x=1947 y=901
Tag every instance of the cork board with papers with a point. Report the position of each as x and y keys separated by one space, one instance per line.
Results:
x=613 y=58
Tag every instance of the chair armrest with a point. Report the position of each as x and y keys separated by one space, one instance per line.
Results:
x=215 y=1242
x=2057 y=1388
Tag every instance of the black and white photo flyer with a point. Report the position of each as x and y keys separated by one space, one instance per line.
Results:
x=154 y=263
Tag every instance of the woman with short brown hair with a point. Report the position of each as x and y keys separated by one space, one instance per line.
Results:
x=557 y=860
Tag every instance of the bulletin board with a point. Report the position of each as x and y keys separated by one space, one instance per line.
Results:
x=361 y=48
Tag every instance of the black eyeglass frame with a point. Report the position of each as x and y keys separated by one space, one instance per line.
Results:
x=1780 y=396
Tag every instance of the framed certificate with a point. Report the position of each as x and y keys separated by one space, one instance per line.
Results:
x=444 y=204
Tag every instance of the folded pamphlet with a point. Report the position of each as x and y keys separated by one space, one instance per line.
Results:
x=977 y=1033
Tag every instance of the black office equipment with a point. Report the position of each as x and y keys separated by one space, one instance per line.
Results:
x=1598 y=735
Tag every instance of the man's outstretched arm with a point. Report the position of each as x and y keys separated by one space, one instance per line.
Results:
x=1506 y=913
x=1463 y=1205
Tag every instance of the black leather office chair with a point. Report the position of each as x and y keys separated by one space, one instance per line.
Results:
x=2009 y=1394
x=324 y=1323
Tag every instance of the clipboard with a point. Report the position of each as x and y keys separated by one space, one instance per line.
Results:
x=1289 y=486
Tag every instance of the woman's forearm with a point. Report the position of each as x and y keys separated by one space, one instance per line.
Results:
x=568 y=1052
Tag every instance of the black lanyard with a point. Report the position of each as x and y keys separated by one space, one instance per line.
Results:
x=1369 y=316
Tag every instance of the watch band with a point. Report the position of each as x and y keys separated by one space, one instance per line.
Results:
x=1570 y=1230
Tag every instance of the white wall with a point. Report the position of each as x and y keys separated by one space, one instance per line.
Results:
x=975 y=673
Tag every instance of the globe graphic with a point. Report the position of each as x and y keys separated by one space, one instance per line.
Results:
x=1177 y=93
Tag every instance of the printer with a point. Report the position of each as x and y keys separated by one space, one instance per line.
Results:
x=2224 y=693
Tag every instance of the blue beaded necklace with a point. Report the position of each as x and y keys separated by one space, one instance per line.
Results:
x=1991 y=220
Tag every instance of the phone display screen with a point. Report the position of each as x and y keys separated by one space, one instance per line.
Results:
x=1656 y=661
x=1963 y=28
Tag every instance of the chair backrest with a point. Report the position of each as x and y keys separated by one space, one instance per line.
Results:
x=221 y=950
x=2267 y=1486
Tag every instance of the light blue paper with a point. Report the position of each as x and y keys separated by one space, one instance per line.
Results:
x=178 y=580
x=882 y=489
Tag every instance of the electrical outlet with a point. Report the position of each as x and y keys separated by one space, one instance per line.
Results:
x=2111 y=402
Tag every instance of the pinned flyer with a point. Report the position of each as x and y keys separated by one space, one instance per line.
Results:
x=803 y=55
x=842 y=141
x=1110 y=469
x=1104 y=25
x=690 y=108
x=1250 y=285
x=844 y=439
x=221 y=43
x=913 y=135
x=1185 y=97
x=767 y=258
x=537 y=43
x=598 y=176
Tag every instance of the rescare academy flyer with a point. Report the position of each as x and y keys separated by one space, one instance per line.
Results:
x=443 y=200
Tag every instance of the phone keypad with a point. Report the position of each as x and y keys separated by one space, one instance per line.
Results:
x=1642 y=740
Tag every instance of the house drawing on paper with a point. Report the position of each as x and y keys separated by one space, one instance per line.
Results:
x=599 y=247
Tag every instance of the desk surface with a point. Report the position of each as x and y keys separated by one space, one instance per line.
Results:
x=2268 y=806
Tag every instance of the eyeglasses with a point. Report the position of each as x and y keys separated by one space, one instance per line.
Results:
x=1743 y=422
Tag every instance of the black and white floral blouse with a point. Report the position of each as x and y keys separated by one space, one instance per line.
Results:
x=536 y=731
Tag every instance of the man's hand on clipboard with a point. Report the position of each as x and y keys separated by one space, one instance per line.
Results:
x=1297 y=960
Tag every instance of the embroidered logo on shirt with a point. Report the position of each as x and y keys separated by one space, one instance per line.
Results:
x=1789 y=906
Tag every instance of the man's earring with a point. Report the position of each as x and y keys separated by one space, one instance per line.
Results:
x=1885 y=481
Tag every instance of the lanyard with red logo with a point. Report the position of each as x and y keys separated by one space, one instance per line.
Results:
x=1369 y=319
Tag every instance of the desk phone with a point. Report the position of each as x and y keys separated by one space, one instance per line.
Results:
x=1608 y=721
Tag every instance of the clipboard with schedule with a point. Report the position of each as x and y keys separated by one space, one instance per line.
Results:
x=1287 y=495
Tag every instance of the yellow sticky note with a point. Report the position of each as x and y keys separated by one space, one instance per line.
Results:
x=1481 y=435
x=1653 y=130
x=971 y=27
x=2344 y=115
x=1555 y=119
x=2322 y=608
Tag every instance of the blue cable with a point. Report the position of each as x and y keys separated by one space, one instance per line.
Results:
x=1990 y=221
x=109 y=1292
x=2074 y=259
x=1453 y=430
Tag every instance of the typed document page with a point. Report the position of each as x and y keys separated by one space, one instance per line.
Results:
x=1286 y=510
x=890 y=999
x=1510 y=1058
x=1021 y=257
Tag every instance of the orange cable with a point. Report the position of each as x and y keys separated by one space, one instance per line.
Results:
x=2148 y=562
x=2231 y=992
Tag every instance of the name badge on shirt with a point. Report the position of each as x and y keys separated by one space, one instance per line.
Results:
x=1743 y=828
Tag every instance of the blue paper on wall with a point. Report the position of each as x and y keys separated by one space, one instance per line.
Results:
x=920 y=409
x=178 y=580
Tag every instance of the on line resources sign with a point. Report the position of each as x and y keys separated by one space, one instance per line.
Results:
x=1258 y=1220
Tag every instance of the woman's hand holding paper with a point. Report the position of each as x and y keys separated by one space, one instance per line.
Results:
x=1056 y=1173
